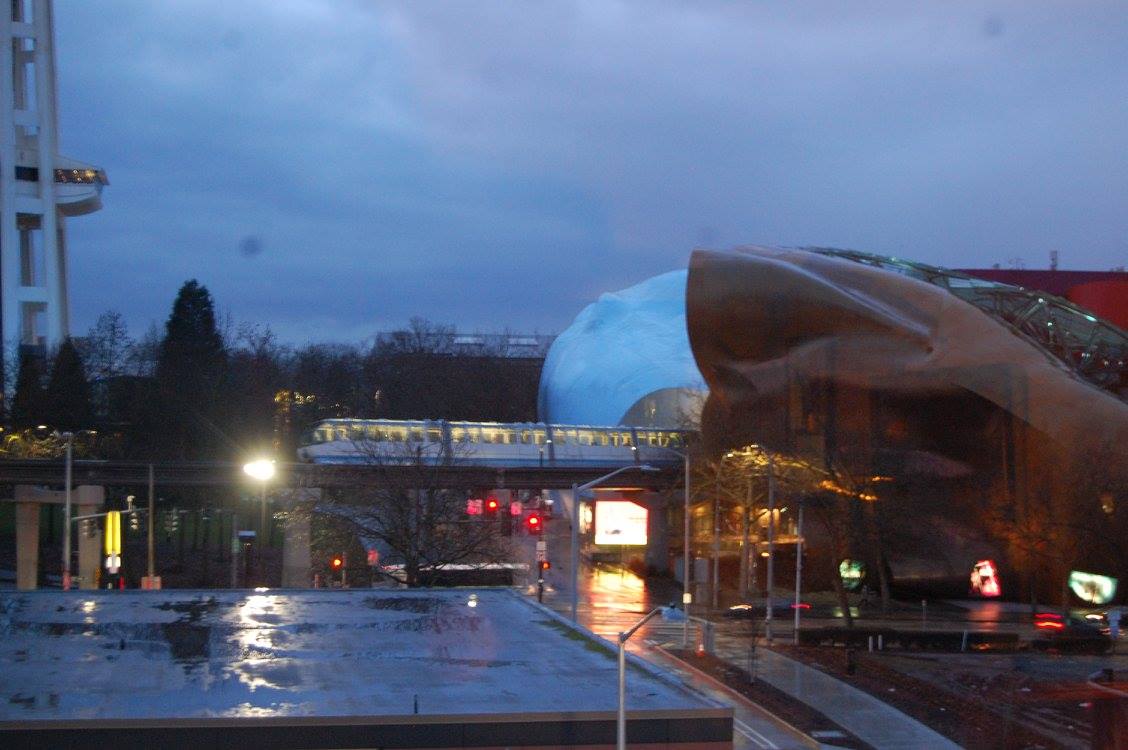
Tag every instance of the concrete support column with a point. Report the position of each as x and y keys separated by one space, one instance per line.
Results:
x=657 y=531
x=88 y=499
x=296 y=563
x=27 y=545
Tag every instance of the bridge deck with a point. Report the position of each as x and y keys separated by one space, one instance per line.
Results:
x=132 y=473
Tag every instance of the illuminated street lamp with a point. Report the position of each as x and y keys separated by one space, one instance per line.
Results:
x=577 y=491
x=261 y=470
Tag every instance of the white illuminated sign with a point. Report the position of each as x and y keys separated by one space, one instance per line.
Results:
x=1093 y=588
x=620 y=522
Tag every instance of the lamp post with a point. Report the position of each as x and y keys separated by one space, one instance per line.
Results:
x=69 y=437
x=798 y=567
x=687 y=597
x=771 y=550
x=577 y=491
x=262 y=470
x=621 y=721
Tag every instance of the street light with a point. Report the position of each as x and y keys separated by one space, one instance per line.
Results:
x=67 y=473
x=262 y=470
x=668 y=613
x=69 y=437
x=576 y=492
x=687 y=597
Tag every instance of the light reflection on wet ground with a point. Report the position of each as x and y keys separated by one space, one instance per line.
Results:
x=295 y=653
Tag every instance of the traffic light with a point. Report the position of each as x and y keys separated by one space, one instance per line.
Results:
x=534 y=524
x=492 y=506
x=544 y=565
x=337 y=563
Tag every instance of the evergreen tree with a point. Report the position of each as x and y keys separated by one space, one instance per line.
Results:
x=191 y=380
x=29 y=400
x=67 y=398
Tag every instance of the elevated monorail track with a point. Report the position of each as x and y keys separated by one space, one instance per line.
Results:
x=296 y=475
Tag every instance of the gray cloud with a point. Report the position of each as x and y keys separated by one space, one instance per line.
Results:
x=499 y=164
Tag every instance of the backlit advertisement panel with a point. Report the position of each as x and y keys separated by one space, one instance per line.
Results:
x=620 y=523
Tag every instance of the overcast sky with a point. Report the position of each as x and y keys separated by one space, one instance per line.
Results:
x=331 y=168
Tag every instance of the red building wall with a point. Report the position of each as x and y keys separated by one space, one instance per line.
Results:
x=1104 y=293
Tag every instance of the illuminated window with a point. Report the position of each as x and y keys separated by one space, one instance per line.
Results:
x=985 y=579
x=852 y=572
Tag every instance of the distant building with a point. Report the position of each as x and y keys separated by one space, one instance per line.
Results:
x=1103 y=292
x=625 y=360
x=38 y=187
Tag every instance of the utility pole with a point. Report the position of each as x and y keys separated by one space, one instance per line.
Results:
x=69 y=437
x=152 y=514
x=798 y=567
x=771 y=549
x=575 y=551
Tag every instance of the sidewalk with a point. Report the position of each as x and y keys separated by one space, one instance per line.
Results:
x=868 y=718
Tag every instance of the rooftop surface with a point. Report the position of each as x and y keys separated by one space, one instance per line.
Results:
x=172 y=654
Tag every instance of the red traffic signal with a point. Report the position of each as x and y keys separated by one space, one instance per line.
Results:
x=534 y=524
x=337 y=562
x=491 y=506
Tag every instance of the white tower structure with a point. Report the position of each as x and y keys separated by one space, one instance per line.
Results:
x=38 y=187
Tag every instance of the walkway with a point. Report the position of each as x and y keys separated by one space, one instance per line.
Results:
x=871 y=720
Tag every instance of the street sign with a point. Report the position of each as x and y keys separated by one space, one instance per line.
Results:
x=542 y=550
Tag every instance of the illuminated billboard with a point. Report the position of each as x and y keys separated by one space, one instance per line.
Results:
x=1093 y=588
x=620 y=523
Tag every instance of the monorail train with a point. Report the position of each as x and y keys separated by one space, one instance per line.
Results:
x=359 y=441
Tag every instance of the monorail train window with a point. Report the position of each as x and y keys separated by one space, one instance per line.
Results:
x=397 y=434
x=584 y=437
x=540 y=437
x=468 y=434
x=526 y=436
x=434 y=434
x=415 y=434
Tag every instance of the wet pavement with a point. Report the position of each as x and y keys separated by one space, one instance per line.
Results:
x=613 y=599
x=178 y=653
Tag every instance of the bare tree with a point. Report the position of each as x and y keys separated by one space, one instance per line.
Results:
x=421 y=524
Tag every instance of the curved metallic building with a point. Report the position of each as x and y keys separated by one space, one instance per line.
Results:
x=625 y=360
x=977 y=421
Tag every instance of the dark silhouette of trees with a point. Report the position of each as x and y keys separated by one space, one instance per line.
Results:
x=67 y=404
x=191 y=381
x=29 y=403
x=108 y=349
